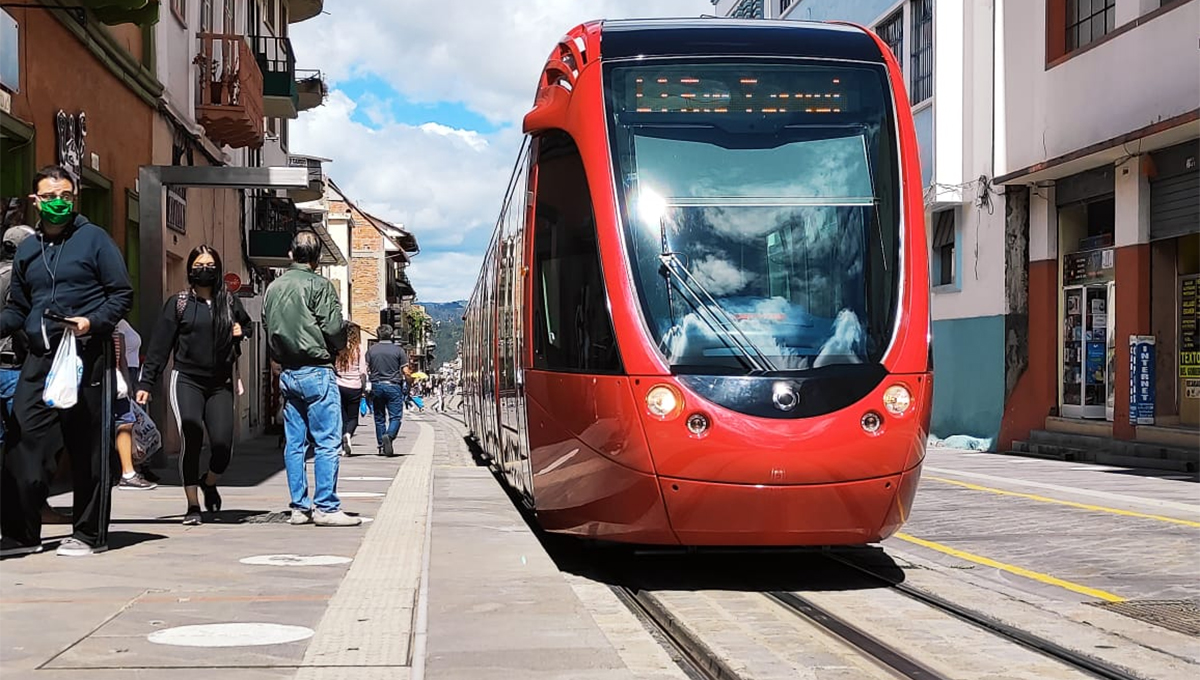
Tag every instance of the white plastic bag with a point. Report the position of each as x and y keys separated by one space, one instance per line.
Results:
x=122 y=386
x=62 y=383
x=146 y=437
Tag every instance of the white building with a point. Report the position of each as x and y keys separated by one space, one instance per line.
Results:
x=1099 y=155
x=946 y=51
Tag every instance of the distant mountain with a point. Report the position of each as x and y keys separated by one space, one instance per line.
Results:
x=448 y=329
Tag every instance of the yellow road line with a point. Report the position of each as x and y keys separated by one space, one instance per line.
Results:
x=1073 y=504
x=1019 y=571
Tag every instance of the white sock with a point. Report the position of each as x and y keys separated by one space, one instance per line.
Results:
x=129 y=475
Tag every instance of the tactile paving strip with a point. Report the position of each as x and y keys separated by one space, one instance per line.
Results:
x=1181 y=616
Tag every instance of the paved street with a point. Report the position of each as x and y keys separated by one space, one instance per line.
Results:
x=469 y=591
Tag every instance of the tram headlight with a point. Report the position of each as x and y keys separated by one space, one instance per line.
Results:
x=871 y=422
x=897 y=400
x=663 y=402
x=697 y=424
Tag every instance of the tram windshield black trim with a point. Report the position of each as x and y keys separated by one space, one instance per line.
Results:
x=785 y=215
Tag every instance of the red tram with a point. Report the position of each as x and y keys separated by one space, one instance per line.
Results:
x=703 y=318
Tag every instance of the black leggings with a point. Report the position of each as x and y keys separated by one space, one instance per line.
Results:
x=201 y=404
x=351 y=403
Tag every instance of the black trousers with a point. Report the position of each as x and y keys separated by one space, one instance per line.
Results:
x=39 y=433
x=351 y=403
x=200 y=405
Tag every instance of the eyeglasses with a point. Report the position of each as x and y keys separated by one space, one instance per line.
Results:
x=200 y=267
x=65 y=195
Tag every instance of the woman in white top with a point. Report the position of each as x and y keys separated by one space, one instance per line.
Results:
x=351 y=365
x=129 y=346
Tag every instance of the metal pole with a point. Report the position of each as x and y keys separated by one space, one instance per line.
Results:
x=108 y=388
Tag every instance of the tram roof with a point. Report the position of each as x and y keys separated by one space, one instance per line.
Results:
x=627 y=38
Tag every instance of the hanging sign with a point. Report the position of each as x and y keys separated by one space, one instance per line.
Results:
x=1141 y=379
x=233 y=282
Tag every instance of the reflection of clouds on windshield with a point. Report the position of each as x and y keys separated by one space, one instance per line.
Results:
x=824 y=168
x=719 y=277
x=790 y=338
x=848 y=343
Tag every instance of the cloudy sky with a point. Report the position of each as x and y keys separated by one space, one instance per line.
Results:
x=424 y=111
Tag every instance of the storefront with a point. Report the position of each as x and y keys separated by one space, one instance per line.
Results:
x=1175 y=271
x=1087 y=294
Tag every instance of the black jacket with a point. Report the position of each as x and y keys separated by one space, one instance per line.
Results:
x=79 y=273
x=198 y=353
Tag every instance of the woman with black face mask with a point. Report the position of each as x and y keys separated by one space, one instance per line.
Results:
x=204 y=327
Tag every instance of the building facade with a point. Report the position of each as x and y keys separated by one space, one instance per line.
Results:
x=1099 y=159
x=88 y=103
x=946 y=51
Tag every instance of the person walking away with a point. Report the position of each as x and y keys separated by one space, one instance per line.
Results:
x=203 y=326
x=387 y=367
x=352 y=382
x=11 y=354
x=72 y=270
x=127 y=342
x=305 y=332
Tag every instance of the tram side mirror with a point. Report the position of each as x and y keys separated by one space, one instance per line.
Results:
x=548 y=112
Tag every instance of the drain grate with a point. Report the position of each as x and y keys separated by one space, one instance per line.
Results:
x=267 y=518
x=1182 y=616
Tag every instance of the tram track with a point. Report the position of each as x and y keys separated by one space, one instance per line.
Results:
x=1077 y=660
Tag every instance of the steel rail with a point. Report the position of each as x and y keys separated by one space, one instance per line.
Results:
x=1049 y=648
x=693 y=656
x=878 y=650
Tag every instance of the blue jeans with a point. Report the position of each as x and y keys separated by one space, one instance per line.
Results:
x=312 y=408
x=8 y=387
x=388 y=401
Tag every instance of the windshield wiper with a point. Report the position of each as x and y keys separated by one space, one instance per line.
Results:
x=713 y=314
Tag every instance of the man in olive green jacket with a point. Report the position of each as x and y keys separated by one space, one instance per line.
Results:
x=305 y=331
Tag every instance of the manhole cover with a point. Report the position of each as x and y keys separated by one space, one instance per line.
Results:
x=1182 y=616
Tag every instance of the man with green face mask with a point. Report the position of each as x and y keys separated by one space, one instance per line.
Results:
x=70 y=268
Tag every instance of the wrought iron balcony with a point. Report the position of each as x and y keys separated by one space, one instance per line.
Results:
x=278 y=64
x=276 y=221
x=311 y=89
x=229 y=91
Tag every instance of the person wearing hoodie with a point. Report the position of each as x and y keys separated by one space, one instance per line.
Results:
x=72 y=271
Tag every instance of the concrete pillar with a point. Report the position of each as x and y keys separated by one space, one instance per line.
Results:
x=1035 y=392
x=1132 y=274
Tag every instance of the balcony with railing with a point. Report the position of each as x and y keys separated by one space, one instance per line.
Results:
x=286 y=91
x=276 y=221
x=229 y=91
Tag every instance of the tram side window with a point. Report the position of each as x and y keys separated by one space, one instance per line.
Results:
x=572 y=327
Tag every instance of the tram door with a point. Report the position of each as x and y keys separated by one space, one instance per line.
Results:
x=514 y=451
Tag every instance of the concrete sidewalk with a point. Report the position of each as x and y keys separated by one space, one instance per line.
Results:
x=314 y=603
x=352 y=608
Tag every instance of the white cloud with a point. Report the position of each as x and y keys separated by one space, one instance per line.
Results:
x=444 y=184
x=486 y=55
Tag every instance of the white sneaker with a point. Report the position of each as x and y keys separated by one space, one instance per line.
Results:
x=346 y=445
x=73 y=547
x=300 y=517
x=335 y=519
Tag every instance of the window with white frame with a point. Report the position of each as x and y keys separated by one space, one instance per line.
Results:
x=785 y=5
x=891 y=31
x=944 y=237
x=921 y=68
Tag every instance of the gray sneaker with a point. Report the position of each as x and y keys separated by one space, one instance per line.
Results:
x=300 y=517
x=73 y=547
x=137 y=482
x=335 y=519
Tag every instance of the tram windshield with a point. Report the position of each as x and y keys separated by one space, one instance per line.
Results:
x=760 y=205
